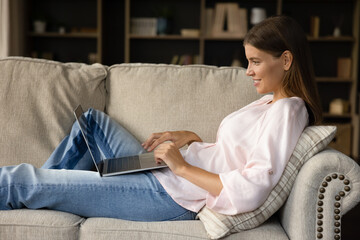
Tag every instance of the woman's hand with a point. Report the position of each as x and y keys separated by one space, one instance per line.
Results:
x=169 y=153
x=179 y=138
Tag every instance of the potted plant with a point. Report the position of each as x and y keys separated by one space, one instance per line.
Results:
x=164 y=20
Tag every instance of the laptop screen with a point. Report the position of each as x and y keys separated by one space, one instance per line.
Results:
x=90 y=143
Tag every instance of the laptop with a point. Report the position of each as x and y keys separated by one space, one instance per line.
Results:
x=116 y=166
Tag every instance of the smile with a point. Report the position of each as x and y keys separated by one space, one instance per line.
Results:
x=256 y=82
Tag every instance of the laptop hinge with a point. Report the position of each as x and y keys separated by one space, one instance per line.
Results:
x=101 y=168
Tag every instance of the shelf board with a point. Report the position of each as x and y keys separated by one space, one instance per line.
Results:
x=223 y=38
x=179 y=37
x=333 y=79
x=65 y=35
x=163 y=37
x=330 y=115
x=311 y=39
x=331 y=39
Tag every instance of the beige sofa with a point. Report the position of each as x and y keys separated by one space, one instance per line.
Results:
x=37 y=99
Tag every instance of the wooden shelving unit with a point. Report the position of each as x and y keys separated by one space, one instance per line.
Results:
x=63 y=35
x=220 y=50
x=82 y=42
x=113 y=42
x=192 y=44
x=334 y=79
x=340 y=116
x=164 y=37
x=332 y=39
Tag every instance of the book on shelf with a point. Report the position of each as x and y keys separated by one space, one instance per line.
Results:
x=219 y=18
x=233 y=18
x=344 y=68
x=228 y=21
x=243 y=21
x=314 y=26
x=143 y=26
x=175 y=59
x=190 y=32
x=209 y=21
x=185 y=59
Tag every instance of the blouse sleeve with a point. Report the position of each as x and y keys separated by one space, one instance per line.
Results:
x=246 y=189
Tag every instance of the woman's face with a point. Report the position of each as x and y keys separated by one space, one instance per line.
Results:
x=266 y=71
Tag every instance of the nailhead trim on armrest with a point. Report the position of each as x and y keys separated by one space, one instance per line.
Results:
x=337 y=205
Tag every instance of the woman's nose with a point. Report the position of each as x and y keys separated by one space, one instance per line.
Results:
x=249 y=72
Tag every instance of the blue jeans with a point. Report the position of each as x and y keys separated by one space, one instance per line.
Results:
x=65 y=182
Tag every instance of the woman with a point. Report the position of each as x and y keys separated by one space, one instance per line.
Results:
x=233 y=175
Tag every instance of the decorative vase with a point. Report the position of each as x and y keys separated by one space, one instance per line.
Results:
x=163 y=26
x=39 y=26
x=257 y=15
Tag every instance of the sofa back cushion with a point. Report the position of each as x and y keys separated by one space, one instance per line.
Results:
x=37 y=98
x=147 y=98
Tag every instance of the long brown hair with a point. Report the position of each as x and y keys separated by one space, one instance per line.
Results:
x=278 y=34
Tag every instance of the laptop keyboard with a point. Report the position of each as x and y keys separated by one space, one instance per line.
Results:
x=126 y=163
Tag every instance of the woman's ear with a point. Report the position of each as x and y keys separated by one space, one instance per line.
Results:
x=288 y=58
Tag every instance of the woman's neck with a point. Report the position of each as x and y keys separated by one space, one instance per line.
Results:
x=278 y=96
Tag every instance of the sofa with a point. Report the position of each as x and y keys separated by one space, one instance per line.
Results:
x=36 y=112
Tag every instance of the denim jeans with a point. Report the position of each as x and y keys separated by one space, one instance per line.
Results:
x=65 y=182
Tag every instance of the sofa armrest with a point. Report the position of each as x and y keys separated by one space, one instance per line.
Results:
x=327 y=186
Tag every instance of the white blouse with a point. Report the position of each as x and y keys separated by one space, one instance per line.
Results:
x=252 y=148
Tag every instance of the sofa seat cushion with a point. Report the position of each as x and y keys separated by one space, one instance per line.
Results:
x=39 y=224
x=106 y=228
x=37 y=99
